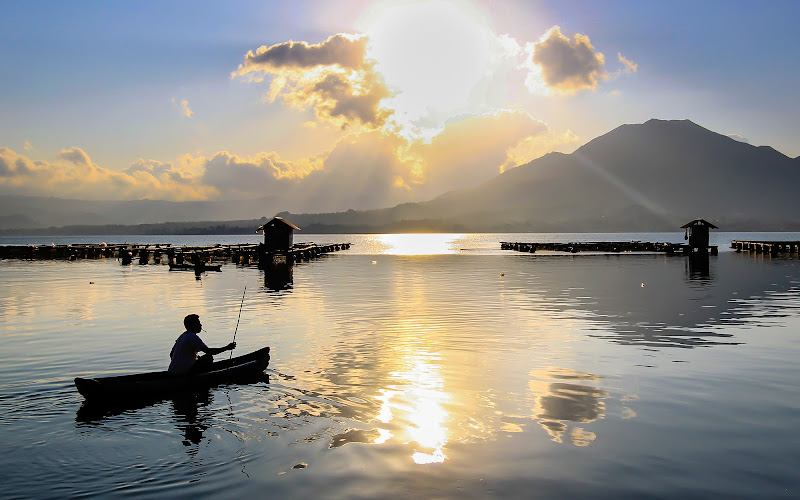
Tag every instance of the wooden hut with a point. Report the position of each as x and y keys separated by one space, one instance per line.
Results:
x=697 y=233
x=278 y=235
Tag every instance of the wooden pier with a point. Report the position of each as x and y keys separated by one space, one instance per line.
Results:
x=167 y=253
x=605 y=247
x=767 y=247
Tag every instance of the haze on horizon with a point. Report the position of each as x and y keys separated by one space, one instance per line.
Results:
x=328 y=106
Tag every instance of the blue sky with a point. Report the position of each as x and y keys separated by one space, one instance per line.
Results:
x=128 y=100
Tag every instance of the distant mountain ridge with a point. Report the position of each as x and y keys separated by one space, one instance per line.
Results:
x=649 y=177
x=653 y=176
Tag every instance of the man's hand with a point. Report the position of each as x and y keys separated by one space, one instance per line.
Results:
x=230 y=346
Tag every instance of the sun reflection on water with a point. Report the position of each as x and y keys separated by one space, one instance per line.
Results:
x=419 y=402
x=416 y=244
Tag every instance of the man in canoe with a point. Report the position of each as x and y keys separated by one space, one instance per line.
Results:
x=184 y=353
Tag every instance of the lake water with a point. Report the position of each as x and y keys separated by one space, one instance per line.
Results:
x=414 y=366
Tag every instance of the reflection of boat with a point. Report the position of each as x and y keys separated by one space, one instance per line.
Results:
x=195 y=267
x=159 y=384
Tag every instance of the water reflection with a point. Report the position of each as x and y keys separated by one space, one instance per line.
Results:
x=278 y=277
x=698 y=267
x=418 y=402
x=412 y=361
x=414 y=244
x=191 y=419
x=653 y=300
x=190 y=413
x=564 y=397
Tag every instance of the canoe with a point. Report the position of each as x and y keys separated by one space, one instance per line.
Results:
x=195 y=267
x=240 y=369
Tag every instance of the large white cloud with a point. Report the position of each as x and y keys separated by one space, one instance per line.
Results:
x=362 y=170
x=77 y=176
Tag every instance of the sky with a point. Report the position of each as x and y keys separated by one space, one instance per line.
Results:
x=325 y=106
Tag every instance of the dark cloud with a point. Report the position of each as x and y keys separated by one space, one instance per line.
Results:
x=568 y=65
x=344 y=50
x=333 y=78
x=338 y=99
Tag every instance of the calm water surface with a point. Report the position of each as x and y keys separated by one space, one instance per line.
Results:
x=414 y=366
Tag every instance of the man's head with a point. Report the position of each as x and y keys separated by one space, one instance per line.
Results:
x=192 y=323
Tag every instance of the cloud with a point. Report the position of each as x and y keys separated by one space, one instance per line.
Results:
x=76 y=176
x=334 y=78
x=628 y=65
x=13 y=166
x=368 y=169
x=234 y=176
x=535 y=146
x=27 y=146
x=477 y=148
x=568 y=66
x=76 y=156
x=183 y=105
x=740 y=138
x=344 y=50
x=364 y=170
x=185 y=108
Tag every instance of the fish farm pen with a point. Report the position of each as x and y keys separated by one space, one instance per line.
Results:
x=767 y=247
x=606 y=247
x=166 y=253
x=696 y=232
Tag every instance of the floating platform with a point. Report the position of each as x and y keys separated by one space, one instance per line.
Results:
x=607 y=247
x=166 y=253
x=768 y=247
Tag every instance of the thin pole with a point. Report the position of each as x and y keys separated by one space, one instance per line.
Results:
x=237 y=320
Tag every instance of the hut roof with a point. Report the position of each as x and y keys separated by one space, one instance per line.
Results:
x=278 y=220
x=699 y=222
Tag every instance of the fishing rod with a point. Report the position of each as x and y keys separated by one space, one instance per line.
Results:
x=237 y=320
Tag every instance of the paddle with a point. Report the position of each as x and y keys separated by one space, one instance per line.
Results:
x=237 y=321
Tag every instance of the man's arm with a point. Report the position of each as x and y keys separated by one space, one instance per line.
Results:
x=216 y=350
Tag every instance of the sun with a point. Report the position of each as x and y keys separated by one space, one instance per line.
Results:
x=432 y=54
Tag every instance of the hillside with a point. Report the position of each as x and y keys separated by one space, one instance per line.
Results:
x=649 y=177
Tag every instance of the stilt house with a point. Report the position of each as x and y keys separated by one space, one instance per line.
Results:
x=697 y=233
x=278 y=235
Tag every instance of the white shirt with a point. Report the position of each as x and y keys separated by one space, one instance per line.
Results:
x=184 y=353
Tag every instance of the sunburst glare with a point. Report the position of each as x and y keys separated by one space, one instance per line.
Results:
x=432 y=53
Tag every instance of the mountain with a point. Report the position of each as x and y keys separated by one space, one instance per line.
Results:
x=653 y=176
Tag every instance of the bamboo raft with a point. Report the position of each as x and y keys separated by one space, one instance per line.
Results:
x=166 y=252
x=767 y=247
x=604 y=247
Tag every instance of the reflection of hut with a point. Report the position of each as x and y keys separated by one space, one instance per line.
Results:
x=278 y=235
x=697 y=233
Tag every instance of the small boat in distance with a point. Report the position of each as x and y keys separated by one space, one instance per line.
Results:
x=241 y=369
x=198 y=268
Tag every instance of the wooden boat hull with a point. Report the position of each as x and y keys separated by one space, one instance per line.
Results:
x=249 y=367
